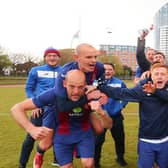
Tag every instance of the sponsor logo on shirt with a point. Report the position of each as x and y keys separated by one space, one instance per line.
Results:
x=47 y=74
x=76 y=112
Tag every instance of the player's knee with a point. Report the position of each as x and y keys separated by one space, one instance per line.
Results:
x=98 y=130
x=45 y=145
x=69 y=165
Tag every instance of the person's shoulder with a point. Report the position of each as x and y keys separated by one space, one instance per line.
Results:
x=99 y=68
x=99 y=64
x=117 y=81
x=67 y=67
x=70 y=65
x=58 y=67
x=41 y=66
x=38 y=67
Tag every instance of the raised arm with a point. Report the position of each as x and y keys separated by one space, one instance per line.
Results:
x=143 y=63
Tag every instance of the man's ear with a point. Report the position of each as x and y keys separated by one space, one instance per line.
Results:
x=64 y=83
x=76 y=57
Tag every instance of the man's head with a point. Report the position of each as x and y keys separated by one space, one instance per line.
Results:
x=75 y=83
x=86 y=56
x=159 y=75
x=51 y=56
x=159 y=57
x=109 y=70
x=149 y=54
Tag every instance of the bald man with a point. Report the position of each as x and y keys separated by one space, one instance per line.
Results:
x=85 y=60
x=74 y=127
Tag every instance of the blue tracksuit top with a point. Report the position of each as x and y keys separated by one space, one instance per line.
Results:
x=138 y=72
x=114 y=107
x=153 y=109
x=90 y=77
x=41 y=78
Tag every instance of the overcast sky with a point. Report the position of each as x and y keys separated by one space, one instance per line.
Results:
x=30 y=26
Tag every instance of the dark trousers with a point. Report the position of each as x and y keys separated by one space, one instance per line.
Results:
x=118 y=135
x=28 y=143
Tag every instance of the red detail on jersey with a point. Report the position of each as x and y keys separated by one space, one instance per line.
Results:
x=64 y=121
x=64 y=127
x=93 y=76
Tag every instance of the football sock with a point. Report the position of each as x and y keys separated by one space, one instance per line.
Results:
x=39 y=150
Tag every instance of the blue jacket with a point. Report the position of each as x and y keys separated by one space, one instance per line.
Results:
x=138 y=72
x=153 y=109
x=41 y=78
x=114 y=107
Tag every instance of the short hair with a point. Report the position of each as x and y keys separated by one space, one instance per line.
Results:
x=109 y=63
x=149 y=48
x=161 y=53
x=158 y=65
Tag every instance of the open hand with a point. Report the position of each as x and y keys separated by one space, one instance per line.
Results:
x=149 y=87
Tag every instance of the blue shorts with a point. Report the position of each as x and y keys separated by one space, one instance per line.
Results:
x=150 y=153
x=49 y=117
x=85 y=149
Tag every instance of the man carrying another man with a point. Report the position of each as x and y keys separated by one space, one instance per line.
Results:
x=74 y=127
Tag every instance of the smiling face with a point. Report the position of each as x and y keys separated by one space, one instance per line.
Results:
x=86 y=56
x=159 y=75
x=52 y=59
x=109 y=71
x=158 y=57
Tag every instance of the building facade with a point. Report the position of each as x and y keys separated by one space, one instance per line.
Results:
x=161 y=30
x=126 y=54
